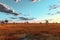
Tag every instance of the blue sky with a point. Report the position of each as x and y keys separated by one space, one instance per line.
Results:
x=39 y=9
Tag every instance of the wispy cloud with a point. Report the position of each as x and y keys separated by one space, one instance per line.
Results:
x=4 y=8
x=23 y=18
x=55 y=6
x=13 y=18
x=57 y=12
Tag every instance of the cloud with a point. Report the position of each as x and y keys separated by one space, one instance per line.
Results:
x=4 y=8
x=17 y=1
x=50 y=19
x=23 y=18
x=35 y=0
x=51 y=13
x=56 y=13
x=13 y=18
x=54 y=7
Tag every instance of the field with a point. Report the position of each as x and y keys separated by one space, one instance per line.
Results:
x=30 y=31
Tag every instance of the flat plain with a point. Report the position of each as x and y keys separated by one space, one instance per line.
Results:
x=30 y=31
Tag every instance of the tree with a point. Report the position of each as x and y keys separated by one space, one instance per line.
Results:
x=6 y=21
x=47 y=21
x=2 y=22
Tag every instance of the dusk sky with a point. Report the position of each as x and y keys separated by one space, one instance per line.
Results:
x=28 y=8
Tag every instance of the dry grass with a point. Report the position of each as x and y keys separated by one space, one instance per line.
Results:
x=32 y=31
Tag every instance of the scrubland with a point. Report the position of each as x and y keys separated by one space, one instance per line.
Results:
x=30 y=31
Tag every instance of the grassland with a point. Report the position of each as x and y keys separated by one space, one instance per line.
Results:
x=30 y=31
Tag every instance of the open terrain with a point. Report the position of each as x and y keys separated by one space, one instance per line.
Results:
x=30 y=31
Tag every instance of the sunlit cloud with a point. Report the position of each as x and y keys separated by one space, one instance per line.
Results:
x=4 y=8
x=35 y=0
x=17 y=1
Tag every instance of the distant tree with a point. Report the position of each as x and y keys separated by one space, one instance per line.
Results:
x=47 y=21
x=27 y=22
x=6 y=21
x=2 y=22
x=56 y=22
x=40 y=22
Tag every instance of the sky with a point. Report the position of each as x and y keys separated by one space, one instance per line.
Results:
x=28 y=8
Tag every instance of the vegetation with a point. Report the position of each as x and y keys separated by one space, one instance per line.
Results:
x=33 y=31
